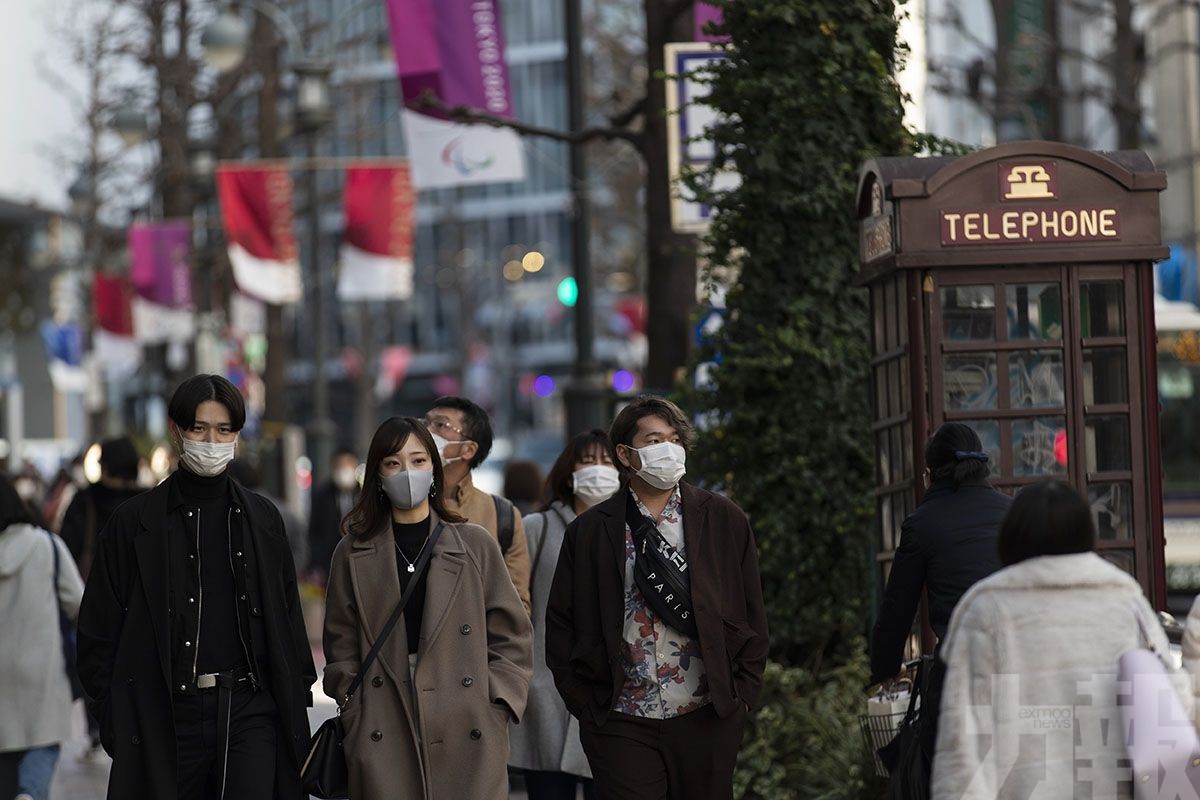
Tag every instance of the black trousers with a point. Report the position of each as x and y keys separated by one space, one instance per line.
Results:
x=683 y=758
x=556 y=785
x=249 y=770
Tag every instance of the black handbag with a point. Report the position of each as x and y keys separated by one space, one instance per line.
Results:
x=660 y=572
x=324 y=773
x=909 y=756
x=67 y=628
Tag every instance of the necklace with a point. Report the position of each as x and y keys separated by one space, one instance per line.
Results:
x=412 y=567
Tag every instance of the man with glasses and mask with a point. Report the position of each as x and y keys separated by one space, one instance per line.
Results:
x=463 y=434
x=192 y=647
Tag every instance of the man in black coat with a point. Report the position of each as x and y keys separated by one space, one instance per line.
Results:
x=192 y=648
x=661 y=710
x=331 y=502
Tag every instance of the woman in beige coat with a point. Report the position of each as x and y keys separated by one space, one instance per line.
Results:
x=432 y=714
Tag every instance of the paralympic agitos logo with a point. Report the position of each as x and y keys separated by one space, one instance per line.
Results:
x=458 y=155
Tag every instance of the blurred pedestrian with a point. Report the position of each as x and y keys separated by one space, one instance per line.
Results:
x=431 y=716
x=248 y=475
x=545 y=746
x=947 y=545
x=463 y=434
x=661 y=672
x=192 y=647
x=1024 y=645
x=35 y=696
x=523 y=486
x=69 y=481
x=331 y=502
x=90 y=511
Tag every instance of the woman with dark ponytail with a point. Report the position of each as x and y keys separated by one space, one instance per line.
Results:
x=946 y=545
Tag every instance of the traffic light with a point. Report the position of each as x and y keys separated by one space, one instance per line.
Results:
x=568 y=292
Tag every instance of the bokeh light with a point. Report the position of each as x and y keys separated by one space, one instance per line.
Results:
x=623 y=380
x=543 y=386
x=513 y=271
x=568 y=291
x=533 y=261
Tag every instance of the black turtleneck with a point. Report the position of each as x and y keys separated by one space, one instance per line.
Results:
x=219 y=646
x=409 y=538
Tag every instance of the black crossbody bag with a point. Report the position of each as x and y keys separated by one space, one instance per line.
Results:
x=324 y=773
x=660 y=571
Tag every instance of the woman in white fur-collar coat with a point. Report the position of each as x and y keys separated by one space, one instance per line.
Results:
x=1029 y=706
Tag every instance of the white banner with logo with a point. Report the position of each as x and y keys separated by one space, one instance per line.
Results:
x=445 y=154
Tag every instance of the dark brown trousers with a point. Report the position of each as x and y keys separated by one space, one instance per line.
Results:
x=683 y=758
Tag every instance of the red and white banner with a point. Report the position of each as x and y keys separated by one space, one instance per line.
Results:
x=114 y=348
x=377 y=246
x=256 y=210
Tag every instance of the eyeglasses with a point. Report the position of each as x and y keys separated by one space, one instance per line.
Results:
x=441 y=427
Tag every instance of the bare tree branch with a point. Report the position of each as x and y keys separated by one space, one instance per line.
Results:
x=469 y=115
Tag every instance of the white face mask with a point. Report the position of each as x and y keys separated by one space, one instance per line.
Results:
x=663 y=464
x=345 y=478
x=407 y=489
x=595 y=483
x=441 y=444
x=206 y=458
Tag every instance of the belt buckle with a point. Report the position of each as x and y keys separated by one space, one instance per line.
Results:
x=208 y=681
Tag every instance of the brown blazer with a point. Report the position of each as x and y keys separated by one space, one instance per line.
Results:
x=585 y=616
x=477 y=506
x=471 y=680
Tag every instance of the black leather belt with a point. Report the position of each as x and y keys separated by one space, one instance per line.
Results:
x=227 y=679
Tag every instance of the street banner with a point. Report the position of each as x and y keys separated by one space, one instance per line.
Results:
x=256 y=212
x=687 y=146
x=158 y=262
x=446 y=154
x=114 y=348
x=702 y=14
x=453 y=50
x=162 y=281
x=377 y=245
x=64 y=356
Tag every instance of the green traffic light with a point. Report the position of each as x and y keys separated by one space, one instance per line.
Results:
x=568 y=292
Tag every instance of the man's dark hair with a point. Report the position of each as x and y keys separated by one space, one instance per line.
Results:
x=13 y=510
x=119 y=458
x=647 y=405
x=477 y=426
x=559 y=483
x=198 y=388
x=1048 y=518
x=952 y=454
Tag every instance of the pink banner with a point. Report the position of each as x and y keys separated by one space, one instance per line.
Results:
x=703 y=13
x=158 y=255
x=453 y=49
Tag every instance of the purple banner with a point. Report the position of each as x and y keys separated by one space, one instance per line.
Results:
x=454 y=49
x=158 y=256
x=703 y=14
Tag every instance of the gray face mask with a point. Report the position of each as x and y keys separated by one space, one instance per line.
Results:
x=407 y=489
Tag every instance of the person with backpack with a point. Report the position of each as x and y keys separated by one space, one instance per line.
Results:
x=39 y=586
x=656 y=633
x=462 y=432
x=545 y=746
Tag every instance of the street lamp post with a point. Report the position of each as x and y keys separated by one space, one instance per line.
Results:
x=587 y=396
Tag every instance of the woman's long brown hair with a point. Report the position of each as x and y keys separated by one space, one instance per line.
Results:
x=373 y=511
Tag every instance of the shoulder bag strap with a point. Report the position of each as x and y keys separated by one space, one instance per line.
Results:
x=505 y=525
x=421 y=563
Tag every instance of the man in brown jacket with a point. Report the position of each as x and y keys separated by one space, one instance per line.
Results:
x=463 y=434
x=661 y=708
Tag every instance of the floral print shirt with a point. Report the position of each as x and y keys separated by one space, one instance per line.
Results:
x=664 y=670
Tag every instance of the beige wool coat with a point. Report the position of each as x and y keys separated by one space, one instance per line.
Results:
x=471 y=678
